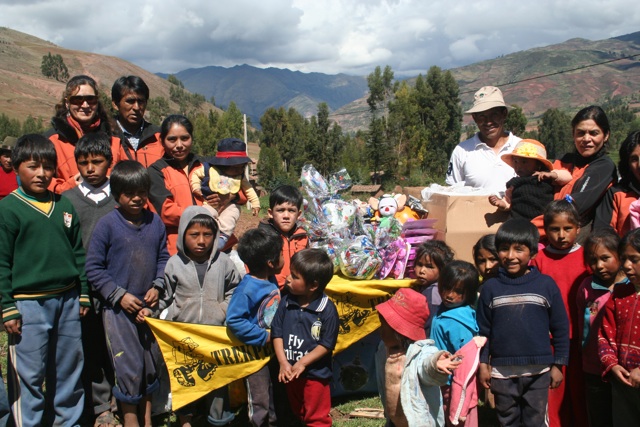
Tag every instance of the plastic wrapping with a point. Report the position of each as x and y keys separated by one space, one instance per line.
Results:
x=359 y=258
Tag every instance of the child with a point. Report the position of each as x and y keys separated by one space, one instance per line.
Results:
x=8 y=178
x=304 y=332
x=43 y=289
x=125 y=264
x=563 y=260
x=618 y=338
x=529 y=192
x=92 y=200
x=601 y=255
x=455 y=322
x=517 y=311
x=431 y=258
x=251 y=310
x=485 y=257
x=224 y=174
x=414 y=368
x=285 y=207
x=200 y=281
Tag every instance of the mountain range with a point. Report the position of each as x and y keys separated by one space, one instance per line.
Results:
x=574 y=73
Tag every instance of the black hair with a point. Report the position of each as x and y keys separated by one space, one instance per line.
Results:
x=315 y=266
x=257 y=247
x=5 y=152
x=286 y=194
x=175 y=119
x=206 y=221
x=486 y=242
x=606 y=237
x=439 y=252
x=95 y=144
x=33 y=146
x=562 y=206
x=626 y=148
x=458 y=273
x=632 y=238
x=597 y=114
x=126 y=84
x=72 y=87
x=518 y=231
x=128 y=176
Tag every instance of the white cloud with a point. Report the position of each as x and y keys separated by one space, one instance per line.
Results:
x=330 y=36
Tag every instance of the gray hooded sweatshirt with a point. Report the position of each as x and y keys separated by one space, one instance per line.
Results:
x=189 y=302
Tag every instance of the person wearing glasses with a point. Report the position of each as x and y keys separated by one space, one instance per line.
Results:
x=476 y=162
x=79 y=112
x=139 y=139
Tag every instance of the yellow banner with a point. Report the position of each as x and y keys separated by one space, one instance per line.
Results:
x=202 y=358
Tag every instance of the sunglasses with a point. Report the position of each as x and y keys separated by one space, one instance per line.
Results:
x=81 y=99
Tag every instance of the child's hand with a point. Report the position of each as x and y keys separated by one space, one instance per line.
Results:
x=13 y=326
x=546 y=175
x=151 y=298
x=484 y=375
x=83 y=311
x=130 y=303
x=296 y=370
x=285 y=372
x=634 y=377
x=556 y=376
x=255 y=211
x=621 y=374
x=497 y=202
x=446 y=363
x=142 y=314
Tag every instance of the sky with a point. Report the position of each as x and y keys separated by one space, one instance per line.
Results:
x=327 y=36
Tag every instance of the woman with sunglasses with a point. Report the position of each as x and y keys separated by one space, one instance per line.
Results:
x=79 y=112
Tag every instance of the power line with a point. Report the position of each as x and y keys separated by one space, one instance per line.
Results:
x=520 y=81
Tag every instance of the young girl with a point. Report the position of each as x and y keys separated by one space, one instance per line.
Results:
x=485 y=257
x=414 y=367
x=455 y=323
x=431 y=257
x=563 y=260
x=619 y=339
x=601 y=255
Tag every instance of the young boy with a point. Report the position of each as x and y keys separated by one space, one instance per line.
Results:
x=285 y=207
x=92 y=200
x=224 y=174
x=251 y=310
x=125 y=264
x=304 y=333
x=200 y=281
x=8 y=178
x=44 y=291
x=517 y=311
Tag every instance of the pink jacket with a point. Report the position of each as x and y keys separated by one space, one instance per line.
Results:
x=464 y=393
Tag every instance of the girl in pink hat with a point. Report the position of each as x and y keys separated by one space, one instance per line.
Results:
x=415 y=369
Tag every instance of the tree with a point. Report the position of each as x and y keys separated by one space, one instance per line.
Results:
x=53 y=66
x=516 y=121
x=380 y=91
x=554 y=132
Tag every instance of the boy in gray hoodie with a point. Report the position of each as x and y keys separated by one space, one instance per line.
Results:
x=200 y=281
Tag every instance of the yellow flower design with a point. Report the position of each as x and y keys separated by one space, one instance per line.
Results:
x=527 y=150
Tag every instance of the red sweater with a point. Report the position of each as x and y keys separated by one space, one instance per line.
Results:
x=568 y=271
x=8 y=182
x=619 y=335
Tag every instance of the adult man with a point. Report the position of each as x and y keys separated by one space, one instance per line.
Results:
x=139 y=139
x=476 y=161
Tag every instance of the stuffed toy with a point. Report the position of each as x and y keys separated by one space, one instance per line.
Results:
x=392 y=206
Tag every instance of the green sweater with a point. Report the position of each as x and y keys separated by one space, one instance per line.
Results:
x=41 y=254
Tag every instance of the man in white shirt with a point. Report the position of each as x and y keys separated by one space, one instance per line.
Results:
x=476 y=161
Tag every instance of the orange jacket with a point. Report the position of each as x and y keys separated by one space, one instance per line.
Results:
x=296 y=242
x=150 y=148
x=171 y=194
x=64 y=139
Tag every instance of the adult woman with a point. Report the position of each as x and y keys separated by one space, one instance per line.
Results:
x=614 y=208
x=592 y=172
x=78 y=112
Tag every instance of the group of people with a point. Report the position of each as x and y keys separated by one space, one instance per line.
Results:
x=111 y=220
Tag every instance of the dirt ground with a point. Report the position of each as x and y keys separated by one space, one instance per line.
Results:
x=248 y=221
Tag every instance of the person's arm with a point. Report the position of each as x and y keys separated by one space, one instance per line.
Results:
x=195 y=180
x=80 y=259
x=238 y=315
x=436 y=367
x=454 y=170
x=284 y=374
x=608 y=345
x=164 y=202
x=10 y=314
x=558 y=327
x=232 y=278
x=593 y=184
x=96 y=265
x=607 y=211
x=503 y=204
x=484 y=319
x=308 y=359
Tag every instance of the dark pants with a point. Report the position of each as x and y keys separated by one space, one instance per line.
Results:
x=216 y=404
x=260 y=395
x=4 y=404
x=522 y=401
x=599 y=401
x=97 y=373
x=626 y=404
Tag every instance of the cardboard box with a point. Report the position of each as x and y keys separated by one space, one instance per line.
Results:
x=463 y=219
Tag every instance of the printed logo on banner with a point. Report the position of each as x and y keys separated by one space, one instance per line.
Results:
x=349 y=314
x=189 y=361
